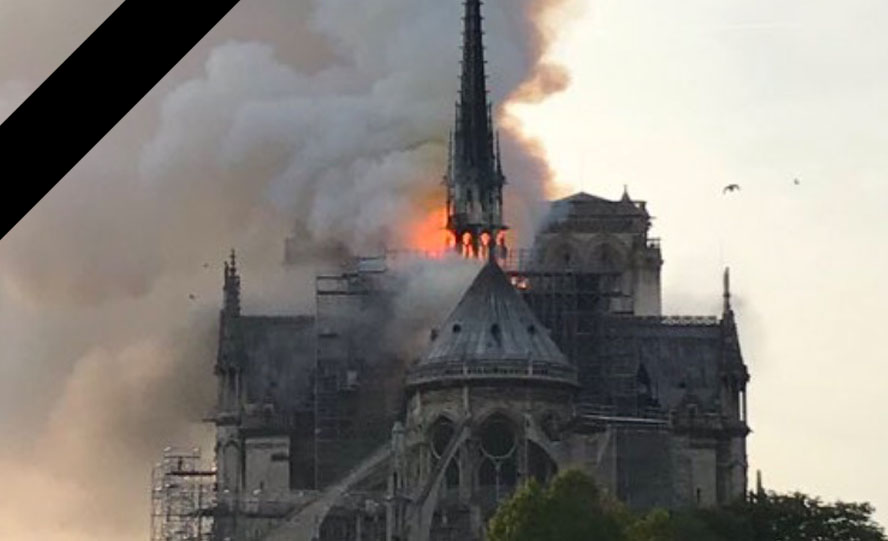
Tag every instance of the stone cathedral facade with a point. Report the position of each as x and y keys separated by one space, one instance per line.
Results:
x=556 y=357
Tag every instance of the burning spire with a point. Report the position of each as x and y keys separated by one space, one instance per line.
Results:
x=475 y=179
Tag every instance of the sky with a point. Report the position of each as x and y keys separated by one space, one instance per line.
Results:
x=677 y=99
x=671 y=99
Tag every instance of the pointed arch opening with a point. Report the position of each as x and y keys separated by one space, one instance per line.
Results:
x=540 y=465
x=439 y=435
x=497 y=473
x=607 y=258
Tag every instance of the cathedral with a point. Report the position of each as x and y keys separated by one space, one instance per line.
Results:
x=557 y=356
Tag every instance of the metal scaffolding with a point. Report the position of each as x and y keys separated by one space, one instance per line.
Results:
x=344 y=329
x=570 y=302
x=183 y=497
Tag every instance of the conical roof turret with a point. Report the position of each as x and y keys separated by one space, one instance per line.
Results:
x=492 y=335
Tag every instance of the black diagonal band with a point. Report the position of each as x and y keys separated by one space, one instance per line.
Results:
x=92 y=90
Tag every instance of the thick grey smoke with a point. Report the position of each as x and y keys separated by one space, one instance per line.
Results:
x=351 y=149
x=110 y=286
x=428 y=292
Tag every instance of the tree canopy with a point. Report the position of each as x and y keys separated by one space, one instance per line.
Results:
x=573 y=508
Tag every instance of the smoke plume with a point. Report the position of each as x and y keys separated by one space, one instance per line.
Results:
x=331 y=129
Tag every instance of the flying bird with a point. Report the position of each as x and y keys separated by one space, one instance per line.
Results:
x=192 y=296
x=796 y=182
x=731 y=188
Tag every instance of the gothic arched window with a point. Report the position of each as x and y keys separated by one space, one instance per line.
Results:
x=606 y=258
x=498 y=472
x=561 y=254
x=451 y=476
x=440 y=435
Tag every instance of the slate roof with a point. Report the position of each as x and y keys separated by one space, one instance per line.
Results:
x=584 y=204
x=584 y=212
x=492 y=334
x=683 y=358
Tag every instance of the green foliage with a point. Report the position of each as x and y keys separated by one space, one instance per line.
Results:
x=662 y=525
x=798 y=517
x=577 y=511
x=572 y=508
x=521 y=518
x=655 y=526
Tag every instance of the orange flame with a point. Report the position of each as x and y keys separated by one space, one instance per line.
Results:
x=429 y=235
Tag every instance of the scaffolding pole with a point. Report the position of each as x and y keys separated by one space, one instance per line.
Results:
x=183 y=497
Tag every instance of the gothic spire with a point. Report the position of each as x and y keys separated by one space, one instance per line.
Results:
x=473 y=124
x=229 y=349
x=475 y=180
x=499 y=157
x=726 y=294
x=231 y=287
x=449 y=156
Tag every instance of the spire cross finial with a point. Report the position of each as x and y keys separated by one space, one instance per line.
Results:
x=626 y=197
